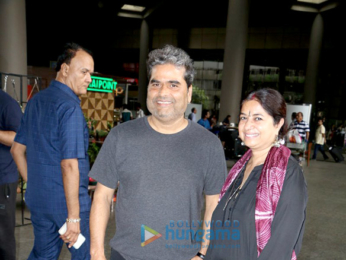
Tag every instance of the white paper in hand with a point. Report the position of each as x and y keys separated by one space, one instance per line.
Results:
x=80 y=239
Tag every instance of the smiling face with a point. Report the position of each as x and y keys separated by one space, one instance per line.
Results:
x=77 y=75
x=168 y=94
x=256 y=126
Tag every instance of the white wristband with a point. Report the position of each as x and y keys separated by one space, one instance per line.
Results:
x=73 y=220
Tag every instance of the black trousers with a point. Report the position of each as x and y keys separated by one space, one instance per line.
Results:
x=8 y=194
x=116 y=256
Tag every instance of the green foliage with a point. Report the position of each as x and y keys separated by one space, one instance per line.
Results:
x=101 y=133
x=199 y=96
x=92 y=152
x=109 y=125
x=91 y=123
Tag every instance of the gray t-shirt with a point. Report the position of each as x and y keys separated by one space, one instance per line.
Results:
x=162 y=179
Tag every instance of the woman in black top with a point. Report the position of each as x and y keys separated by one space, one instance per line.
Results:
x=261 y=214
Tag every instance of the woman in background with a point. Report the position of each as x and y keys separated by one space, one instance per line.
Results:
x=227 y=120
x=262 y=207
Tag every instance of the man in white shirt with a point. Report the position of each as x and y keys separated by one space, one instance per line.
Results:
x=320 y=139
x=140 y=112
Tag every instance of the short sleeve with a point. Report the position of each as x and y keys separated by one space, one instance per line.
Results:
x=104 y=169
x=12 y=116
x=217 y=170
x=71 y=134
x=17 y=124
x=21 y=133
x=323 y=130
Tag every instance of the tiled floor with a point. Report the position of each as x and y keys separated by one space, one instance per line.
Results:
x=325 y=231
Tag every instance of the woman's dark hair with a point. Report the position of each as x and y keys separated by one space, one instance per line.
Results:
x=273 y=103
x=226 y=119
x=69 y=51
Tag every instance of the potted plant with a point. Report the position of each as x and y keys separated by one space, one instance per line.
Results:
x=101 y=134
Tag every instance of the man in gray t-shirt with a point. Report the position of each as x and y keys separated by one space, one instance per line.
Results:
x=163 y=165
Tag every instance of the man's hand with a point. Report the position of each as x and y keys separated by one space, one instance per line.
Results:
x=70 y=177
x=196 y=258
x=71 y=234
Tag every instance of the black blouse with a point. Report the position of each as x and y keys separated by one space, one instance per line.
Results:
x=233 y=228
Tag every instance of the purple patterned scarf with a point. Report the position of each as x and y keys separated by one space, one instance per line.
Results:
x=268 y=190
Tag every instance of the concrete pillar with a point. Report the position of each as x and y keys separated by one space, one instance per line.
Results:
x=143 y=54
x=234 y=58
x=313 y=61
x=13 y=52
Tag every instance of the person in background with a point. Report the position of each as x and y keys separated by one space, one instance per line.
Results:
x=166 y=182
x=339 y=136
x=302 y=127
x=204 y=121
x=320 y=140
x=223 y=130
x=213 y=120
x=140 y=112
x=294 y=119
x=192 y=115
x=10 y=116
x=262 y=208
x=215 y=128
x=227 y=120
x=330 y=136
x=126 y=115
x=51 y=153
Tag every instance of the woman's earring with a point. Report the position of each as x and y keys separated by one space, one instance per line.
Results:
x=242 y=143
x=278 y=142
